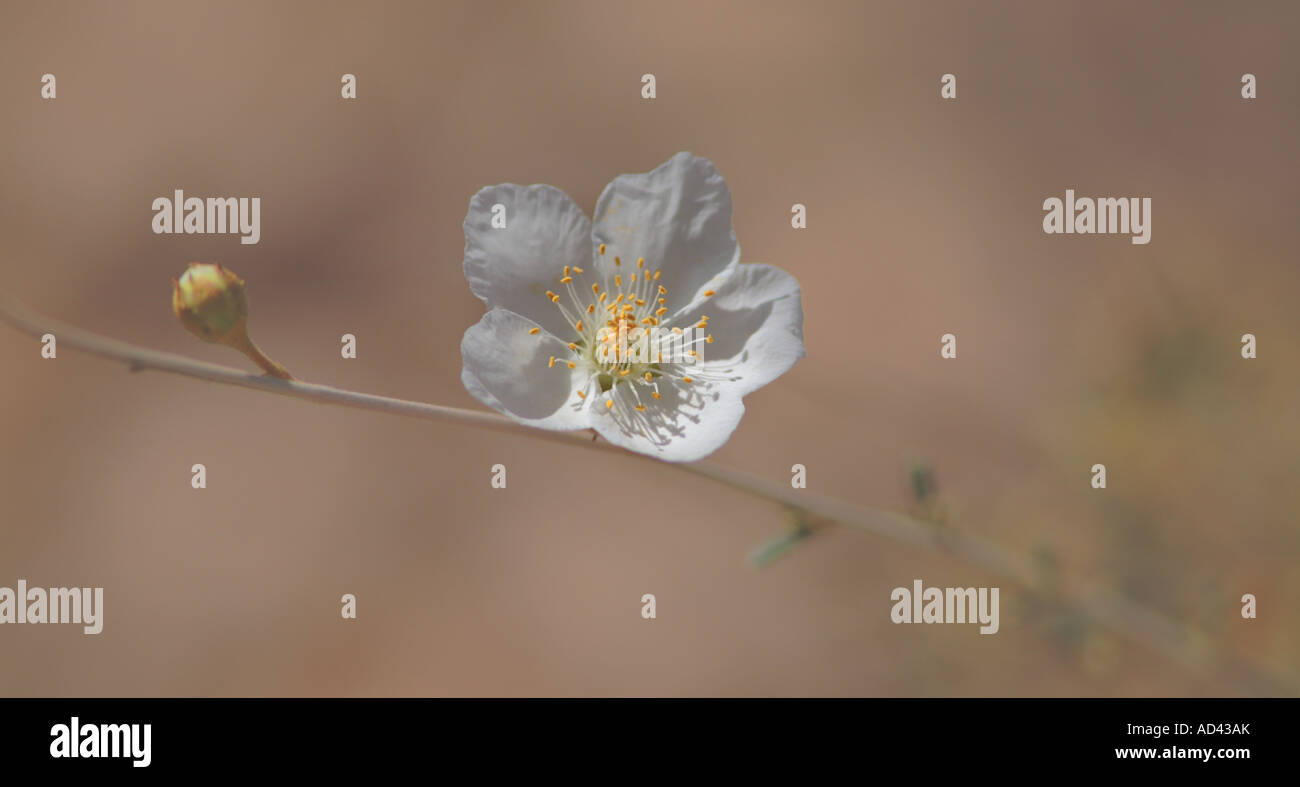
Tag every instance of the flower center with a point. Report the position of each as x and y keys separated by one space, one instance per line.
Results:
x=621 y=339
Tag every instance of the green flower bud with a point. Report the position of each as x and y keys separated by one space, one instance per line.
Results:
x=210 y=302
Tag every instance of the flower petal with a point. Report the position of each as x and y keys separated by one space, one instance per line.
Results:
x=506 y=368
x=756 y=320
x=689 y=423
x=513 y=267
x=678 y=217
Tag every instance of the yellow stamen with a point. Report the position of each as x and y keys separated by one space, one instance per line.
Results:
x=657 y=275
x=648 y=377
x=640 y=408
x=624 y=373
x=577 y=270
x=602 y=248
x=572 y=365
x=535 y=331
x=687 y=380
x=551 y=363
x=566 y=280
x=708 y=293
x=708 y=339
x=609 y=404
x=582 y=395
x=617 y=261
x=573 y=346
x=640 y=262
x=655 y=394
x=578 y=327
x=618 y=280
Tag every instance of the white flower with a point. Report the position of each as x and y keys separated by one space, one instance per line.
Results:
x=660 y=264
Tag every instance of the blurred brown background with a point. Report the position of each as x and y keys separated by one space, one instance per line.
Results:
x=924 y=217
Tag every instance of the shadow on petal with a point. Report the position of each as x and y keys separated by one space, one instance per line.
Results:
x=691 y=420
x=506 y=368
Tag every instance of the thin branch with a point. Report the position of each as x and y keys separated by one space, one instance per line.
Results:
x=140 y=359
x=1142 y=625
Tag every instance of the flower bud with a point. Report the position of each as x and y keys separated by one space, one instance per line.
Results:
x=211 y=304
